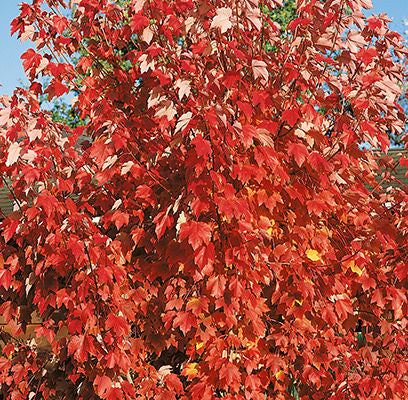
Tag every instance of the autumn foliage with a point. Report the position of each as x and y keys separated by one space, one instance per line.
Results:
x=225 y=229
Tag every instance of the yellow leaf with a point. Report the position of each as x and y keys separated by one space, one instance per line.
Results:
x=280 y=374
x=199 y=345
x=190 y=369
x=352 y=265
x=316 y=364
x=313 y=255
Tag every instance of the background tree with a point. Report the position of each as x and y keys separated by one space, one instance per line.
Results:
x=223 y=236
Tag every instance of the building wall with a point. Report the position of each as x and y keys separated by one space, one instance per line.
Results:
x=6 y=204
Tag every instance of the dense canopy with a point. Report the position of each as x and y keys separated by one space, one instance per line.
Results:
x=220 y=226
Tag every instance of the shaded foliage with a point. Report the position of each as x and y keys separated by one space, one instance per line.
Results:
x=222 y=234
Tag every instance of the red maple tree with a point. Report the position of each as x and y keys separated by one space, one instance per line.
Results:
x=221 y=232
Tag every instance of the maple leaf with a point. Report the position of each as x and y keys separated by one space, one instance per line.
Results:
x=139 y=22
x=367 y=55
x=190 y=370
x=59 y=23
x=216 y=285
x=31 y=59
x=114 y=393
x=354 y=267
x=13 y=154
x=162 y=221
x=343 y=307
x=185 y=321
x=197 y=233
x=103 y=383
x=166 y=395
x=10 y=230
x=146 y=63
x=299 y=151
x=4 y=116
x=204 y=257
x=56 y=88
x=5 y=278
x=78 y=345
x=231 y=77
x=253 y=382
x=230 y=373
x=120 y=218
x=313 y=255
x=183 y=122
x=166 y=109
x=291 y=116
x=203 y=147
x=47 y=202
x=316 y=206
x=355 y=40
x=367 y=4
x=260 y=71
x=184 y=88
x=197 y=305
x=137 y=5
x=118 y=324
x=222 y=19
x=173 y=383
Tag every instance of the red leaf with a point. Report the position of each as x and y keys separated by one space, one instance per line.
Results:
x=103 y=383
x=120 y=218
x=173 y=383
x=139 y=22
x=78 y=345
x=13 y=154
x=10 y=230
x=216 y=285
x=47 y=202
x=183 y=122
x=31 y=59
x=230 y=373
x=248 y=134
x=231 y=77
x=203 y=147
x=165 y=395
x=19 y=372
x=343 y=307
x=367 y=55
x=298 y=21
x=56 y=88
x=222 y=19
x=5 y=278
x=291 y=115
x=299 y=151
x=60 y=24
x=316 y=206
x=196 y=232
x=118 y=324
x=246 y=108
x=204 y=257
x=185 y=321
x=197 y=305
x=114 y=393
x=162 y=221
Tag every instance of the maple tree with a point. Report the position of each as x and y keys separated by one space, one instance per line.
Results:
x=222 y=233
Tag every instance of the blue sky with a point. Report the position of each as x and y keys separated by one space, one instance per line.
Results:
x=11 y=71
